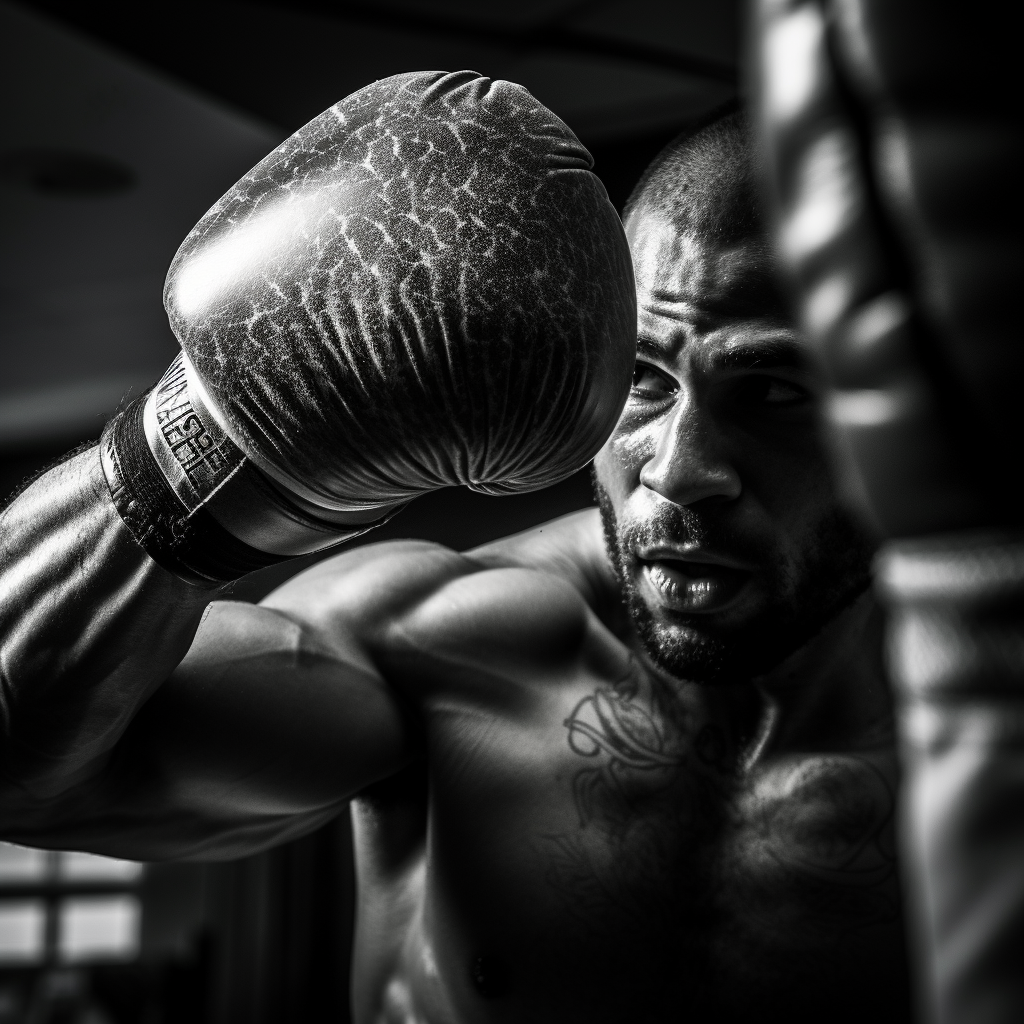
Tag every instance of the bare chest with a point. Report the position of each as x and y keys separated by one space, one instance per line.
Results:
x=602 y=849
x=664 y=838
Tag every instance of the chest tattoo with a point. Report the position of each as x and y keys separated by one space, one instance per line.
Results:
x=620 y=733
x=672 y=837
x=642 y=792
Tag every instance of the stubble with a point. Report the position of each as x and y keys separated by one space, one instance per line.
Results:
x=803 y=594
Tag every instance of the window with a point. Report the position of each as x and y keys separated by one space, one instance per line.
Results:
x=67 y=908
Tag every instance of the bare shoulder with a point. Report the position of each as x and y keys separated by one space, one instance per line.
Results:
x=362 y=594
x=528 y=595
x=571 y=548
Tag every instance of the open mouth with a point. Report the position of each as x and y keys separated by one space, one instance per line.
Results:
x=691 y=586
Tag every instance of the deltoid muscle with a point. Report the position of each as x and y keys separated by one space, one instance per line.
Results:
x=431 y=264
x=891 y=135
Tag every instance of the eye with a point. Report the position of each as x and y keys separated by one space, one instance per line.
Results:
x=652 y=383
x=773 y=391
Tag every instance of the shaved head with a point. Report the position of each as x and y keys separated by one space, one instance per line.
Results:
x=703 y=183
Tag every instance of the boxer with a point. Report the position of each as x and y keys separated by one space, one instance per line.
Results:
x=634 y=765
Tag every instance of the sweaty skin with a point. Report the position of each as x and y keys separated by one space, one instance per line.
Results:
x=550 y=825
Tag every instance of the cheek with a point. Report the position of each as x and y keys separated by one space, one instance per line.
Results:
x=611 y=475
x=632 y=445
x=798 y=496
x=786 y=469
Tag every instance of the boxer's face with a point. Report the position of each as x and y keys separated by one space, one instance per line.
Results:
x=717 y=503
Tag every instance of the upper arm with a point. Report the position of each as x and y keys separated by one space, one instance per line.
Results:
x=264 y=714
x=262 y=732
x=280 y=712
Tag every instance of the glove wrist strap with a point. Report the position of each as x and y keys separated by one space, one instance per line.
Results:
x=194 y=501
x=195 y=455
x=192 y=545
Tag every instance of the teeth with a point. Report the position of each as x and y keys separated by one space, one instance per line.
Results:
x=670 y=586
x=689 y=592
x=661 y=581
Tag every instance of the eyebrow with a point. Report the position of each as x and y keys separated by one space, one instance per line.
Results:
x=773 y=353
x=656 y=349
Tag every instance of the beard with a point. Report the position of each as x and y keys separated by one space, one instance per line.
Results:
x=802 y=595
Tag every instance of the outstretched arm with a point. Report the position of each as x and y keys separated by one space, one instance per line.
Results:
x=261 y=734
x=275 y=718
x=90 y=625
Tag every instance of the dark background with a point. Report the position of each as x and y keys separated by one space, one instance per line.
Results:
x=121 y=126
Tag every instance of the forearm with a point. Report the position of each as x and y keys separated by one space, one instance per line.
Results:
x=90 y=625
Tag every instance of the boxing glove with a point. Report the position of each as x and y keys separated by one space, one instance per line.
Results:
x=425 y=286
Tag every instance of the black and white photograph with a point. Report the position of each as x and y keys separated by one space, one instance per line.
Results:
x=510 y=512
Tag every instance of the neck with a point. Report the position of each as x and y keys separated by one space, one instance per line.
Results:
x=831 y=694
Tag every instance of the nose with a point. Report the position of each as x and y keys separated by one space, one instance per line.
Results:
x=689 y=464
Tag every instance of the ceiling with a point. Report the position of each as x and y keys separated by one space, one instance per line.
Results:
x=123 y=124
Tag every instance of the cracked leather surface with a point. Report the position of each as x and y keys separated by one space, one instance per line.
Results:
x=426 y=285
